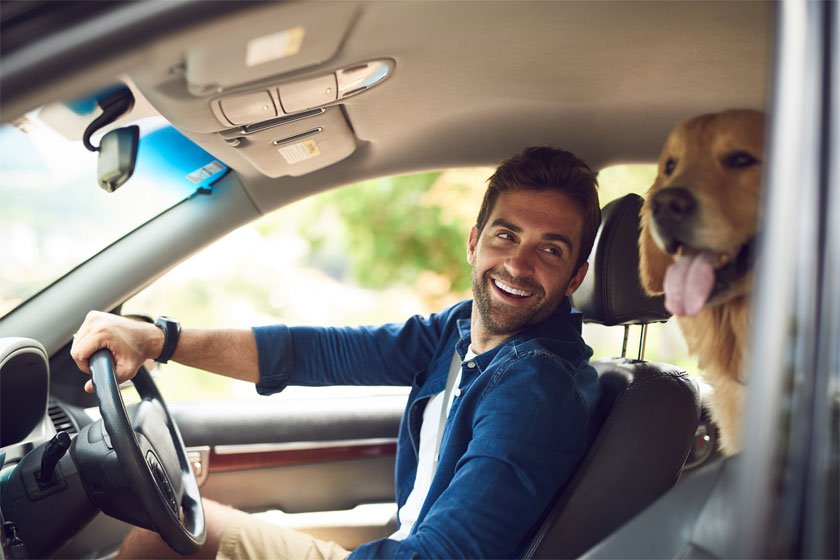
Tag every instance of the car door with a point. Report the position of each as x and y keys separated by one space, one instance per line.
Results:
x=324 y=465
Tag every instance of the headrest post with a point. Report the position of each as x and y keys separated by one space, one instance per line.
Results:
x=643 y=341
x=624 y=343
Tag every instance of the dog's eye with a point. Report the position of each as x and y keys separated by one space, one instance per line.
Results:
x=670 y=164
x=740 y=160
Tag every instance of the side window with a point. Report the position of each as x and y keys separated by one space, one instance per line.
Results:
x=367 y=253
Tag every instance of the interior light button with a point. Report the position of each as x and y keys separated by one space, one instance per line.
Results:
x=248 y=108
x=306 y=94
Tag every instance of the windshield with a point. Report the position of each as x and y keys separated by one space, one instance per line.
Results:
x=54 y=216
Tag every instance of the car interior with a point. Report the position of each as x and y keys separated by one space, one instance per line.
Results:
x=285 y=100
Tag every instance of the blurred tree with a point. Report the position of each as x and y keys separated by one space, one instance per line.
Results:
x=412 y=229
x=396 y=230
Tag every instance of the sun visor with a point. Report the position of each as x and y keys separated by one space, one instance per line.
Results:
x=287 y=40
x=297 y=144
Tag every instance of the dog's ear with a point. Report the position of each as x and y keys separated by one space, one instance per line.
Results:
x=653 y=262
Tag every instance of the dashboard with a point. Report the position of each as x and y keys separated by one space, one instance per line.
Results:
x=24 y=396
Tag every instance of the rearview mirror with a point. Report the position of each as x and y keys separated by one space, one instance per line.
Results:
x=117 y=156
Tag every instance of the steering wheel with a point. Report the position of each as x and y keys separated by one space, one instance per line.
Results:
x=150 y=450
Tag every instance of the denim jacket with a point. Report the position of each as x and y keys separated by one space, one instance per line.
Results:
x=514 y=434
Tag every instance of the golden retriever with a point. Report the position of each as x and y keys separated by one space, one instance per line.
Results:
x=697 y=246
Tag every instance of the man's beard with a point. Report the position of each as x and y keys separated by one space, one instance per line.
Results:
x=500 y=318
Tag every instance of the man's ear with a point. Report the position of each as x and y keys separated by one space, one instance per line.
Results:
x=577 y=279
x=471 y=243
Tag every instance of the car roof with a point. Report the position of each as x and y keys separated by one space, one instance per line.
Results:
x=470 y=84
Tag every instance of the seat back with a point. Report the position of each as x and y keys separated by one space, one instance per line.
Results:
x=646 y=418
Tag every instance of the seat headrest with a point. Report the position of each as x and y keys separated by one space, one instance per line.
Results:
x=611 y=293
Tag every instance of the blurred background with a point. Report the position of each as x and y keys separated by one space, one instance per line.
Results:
x=335 y=259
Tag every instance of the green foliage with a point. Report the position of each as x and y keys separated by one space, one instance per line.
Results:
x=387 y=232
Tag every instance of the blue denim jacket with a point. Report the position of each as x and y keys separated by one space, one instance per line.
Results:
x=512 y=439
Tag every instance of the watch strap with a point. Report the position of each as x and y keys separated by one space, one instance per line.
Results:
x=171 y=333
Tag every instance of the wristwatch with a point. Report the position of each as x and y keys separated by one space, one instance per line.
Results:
x=171 y=333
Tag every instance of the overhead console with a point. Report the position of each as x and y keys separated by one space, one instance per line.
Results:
x=263 y=83
x=299 y=95
x=296 y=127
x=295 y=145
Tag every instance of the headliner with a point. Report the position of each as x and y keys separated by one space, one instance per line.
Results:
x=473 y=82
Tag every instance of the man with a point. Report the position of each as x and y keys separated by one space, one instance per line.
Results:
x=497 y=418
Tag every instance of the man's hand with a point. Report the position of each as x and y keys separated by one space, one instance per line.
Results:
x=131 y=342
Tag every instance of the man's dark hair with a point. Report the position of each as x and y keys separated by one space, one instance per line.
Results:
x=545 y=168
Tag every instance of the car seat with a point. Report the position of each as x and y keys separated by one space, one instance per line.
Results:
x=648 y=413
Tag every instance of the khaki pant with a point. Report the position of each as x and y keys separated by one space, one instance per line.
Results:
x=247 y=537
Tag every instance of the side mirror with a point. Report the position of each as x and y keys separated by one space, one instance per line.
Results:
x=117 y=156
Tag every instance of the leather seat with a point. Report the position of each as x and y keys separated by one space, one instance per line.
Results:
x=647 y=415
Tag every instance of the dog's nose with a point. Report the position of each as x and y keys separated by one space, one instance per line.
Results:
x=673 y=204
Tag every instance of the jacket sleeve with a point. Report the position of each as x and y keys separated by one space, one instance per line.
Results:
x=524 y=449
x=317 y=356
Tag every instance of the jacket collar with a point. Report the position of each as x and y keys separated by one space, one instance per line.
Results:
x=548 y=328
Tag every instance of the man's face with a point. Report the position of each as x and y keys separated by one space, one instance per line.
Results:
x=523 y=260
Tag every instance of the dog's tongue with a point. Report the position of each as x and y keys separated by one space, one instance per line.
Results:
x=688 y=283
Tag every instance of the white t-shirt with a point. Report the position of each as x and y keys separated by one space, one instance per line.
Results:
x=426 y=461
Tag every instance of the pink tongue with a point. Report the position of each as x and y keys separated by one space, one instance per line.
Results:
x=688 y=283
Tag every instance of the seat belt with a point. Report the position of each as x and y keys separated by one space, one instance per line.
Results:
x=454 y=370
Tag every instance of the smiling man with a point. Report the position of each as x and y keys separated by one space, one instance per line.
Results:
x=501 y=389
x=525 y=261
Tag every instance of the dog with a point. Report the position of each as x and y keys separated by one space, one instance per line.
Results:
x=697 y=246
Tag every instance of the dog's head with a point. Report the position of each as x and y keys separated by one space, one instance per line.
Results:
x=700 y=216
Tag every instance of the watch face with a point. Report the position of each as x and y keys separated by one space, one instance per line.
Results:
x=168 y=322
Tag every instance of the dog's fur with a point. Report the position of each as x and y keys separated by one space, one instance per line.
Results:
x=715 y=161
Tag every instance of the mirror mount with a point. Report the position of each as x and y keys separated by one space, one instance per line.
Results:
x=114 y=105
x=118 y=148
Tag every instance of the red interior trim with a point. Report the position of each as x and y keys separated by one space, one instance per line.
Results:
x=258 y=460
